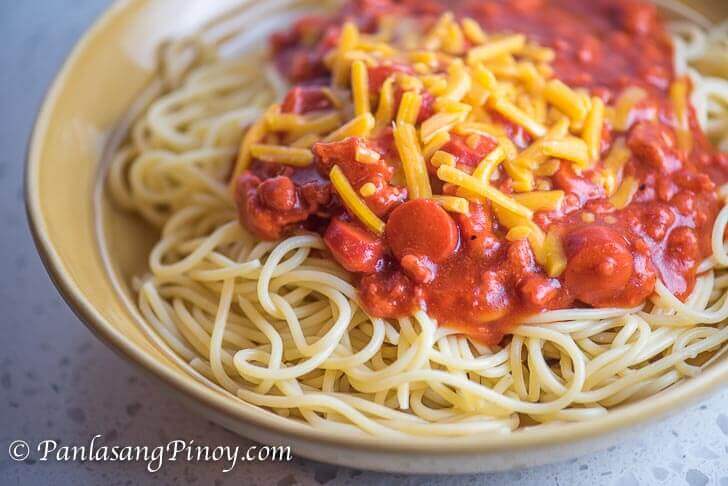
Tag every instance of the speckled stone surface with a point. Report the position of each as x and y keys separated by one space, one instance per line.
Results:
x=58 y=382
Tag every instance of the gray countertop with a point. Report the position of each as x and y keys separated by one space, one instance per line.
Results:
x=58 y=382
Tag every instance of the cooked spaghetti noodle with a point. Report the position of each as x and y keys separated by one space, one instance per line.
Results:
x=280 y=324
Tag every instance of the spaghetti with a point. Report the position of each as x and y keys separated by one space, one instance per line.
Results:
x=281 y=325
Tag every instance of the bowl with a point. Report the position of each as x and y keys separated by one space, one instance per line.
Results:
x=92 y=249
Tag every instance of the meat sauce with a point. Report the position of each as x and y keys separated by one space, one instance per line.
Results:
x=460 y=268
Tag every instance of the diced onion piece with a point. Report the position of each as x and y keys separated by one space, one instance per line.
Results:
x=368 y=189
x=354 y=203
x=413 y=162
x=471 y=184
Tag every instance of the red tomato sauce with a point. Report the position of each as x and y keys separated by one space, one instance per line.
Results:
x=461 y=269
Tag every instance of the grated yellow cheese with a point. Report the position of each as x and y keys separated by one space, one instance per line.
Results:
x=613 y=164
x=458 y=82
x=409 y=107
x=360 y=87
x=385 y=109
x=625 y=103
x=471 y=184
x=519 y=117
x=435 y=144
x=496 y=47
x=540 y=200
x=679 y=99
x=592 y=131
x=360 y=126
x=518 y=233
x=453 y=204
x=566 y=100
x=443 y=158
x=255 y=133
x=348 y=40
x=439 y=122
x=473 y=32
x=623 y=196
x=553 y=254
x=353 y=202
x=413 y=163
x=571 y=148
x=298 y=125
x=282 y=154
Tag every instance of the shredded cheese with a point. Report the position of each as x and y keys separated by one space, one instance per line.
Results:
x=613 y=164
x=443 y=158
x=679 y=99
x=566 y=100
x=360 y=126
x=518 y=233
x=519 y=117
x=353 y=202
x=360 y=87
x=471 y=184
x=413 y=162
x=571 y=148
x=592 y=132
x=625 y=103
x=453 y=204
x=282 y=154
x=553 y=253
x=255 y=133
x=496 y=48
x=623 y=196
x=409 y=107
x=540 y=200
x=385 y=109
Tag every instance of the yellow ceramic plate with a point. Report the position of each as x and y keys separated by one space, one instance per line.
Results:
x=106 y=71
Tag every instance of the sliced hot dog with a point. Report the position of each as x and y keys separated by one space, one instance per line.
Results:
x=356 y=249
x=422 y=228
